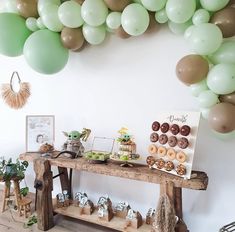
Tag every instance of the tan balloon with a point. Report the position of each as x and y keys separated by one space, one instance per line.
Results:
x=192 y=69
x=231 y=3
x=225 y=20
x=79 y=1
x=121 y=33
x=230 y=98
x=72 y=38
x=222 y=117
x=153 y=24
x=117 y=5
x=27 y=8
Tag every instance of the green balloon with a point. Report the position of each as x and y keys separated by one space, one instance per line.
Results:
x=207 y=99
x=113 y=20
x=43 y=4
x=94 y=35
x=205 y=39
x=135 y=19
x=31 y=24
x=221 y=79
x=188 y=32
x=94 y=12
x=180 y=11
x=45 y=53
x=161 y=16
x=201 y=16
x=13 y=34
x=70 y=14
x=154 y=5
x=179 y=28
x=205 y=112
x=214 y=5
x=225 y=54
x=40 y=24
x=199 y=87
x=50 y=18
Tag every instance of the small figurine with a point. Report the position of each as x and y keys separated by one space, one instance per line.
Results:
x=121 y=209
x=74 y=144
x=82 y=201
x=105 y=211
x=134 y=219
x=46 y=149
x=62 y=199
x=150 y=216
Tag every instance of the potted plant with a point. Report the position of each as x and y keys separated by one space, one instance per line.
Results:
x=10 y=171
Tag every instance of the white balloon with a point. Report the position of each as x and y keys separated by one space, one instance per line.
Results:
x=40 y=24
x=94 y=35
x=207 y=99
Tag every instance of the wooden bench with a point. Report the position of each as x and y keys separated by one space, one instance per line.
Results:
x=170 y=184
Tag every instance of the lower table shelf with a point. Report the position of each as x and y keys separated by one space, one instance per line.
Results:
x=116 y=223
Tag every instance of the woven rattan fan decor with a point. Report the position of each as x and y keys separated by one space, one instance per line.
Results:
x=15 y=100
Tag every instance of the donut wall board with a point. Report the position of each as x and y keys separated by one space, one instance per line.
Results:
x=173 y=142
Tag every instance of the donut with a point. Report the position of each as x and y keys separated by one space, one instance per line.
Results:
x=183 y=143
x=161 y=151
x=171 y=154
x=181 y=170
x=169 y=166
x=172 y=141
x=154 y=137
x=174 y=129
x=185 y=130
x=152 y=149
x=163 y=139
x=160 y=163
x=155 y=126
x=165 y=127
x=150 y=160
x=181 y=157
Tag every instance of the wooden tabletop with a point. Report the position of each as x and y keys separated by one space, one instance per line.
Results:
x=198 y=181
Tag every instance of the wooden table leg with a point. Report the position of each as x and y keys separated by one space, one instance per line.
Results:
x=65 y=181
x=181 y=226
x=44 y=185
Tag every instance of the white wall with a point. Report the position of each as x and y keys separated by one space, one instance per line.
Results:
x=124 y=82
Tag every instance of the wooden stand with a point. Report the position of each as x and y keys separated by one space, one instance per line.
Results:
x=7 y=193
x=24 y=207
x=172 y=185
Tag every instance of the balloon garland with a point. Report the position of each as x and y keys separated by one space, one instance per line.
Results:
x=44 y=31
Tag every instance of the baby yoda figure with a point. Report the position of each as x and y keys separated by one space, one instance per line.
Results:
x=74 y=144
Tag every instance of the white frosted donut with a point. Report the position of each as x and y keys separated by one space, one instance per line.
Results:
x=171 y=154
x=152 y=149
x=181 y=157
x=161 y=151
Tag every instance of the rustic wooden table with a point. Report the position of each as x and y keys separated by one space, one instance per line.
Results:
x=170 y=184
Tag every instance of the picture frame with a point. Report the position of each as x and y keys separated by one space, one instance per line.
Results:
x=40 y=129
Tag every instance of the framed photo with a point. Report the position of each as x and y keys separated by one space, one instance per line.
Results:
x=40 y=129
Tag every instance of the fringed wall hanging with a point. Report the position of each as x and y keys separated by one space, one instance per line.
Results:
x=165 y=219
x=15 y=100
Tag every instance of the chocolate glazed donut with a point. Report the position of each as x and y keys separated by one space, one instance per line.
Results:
x=154 y=137
x=174 y=129
x=183 y=143
x=172 y=141
x=155 y=126
x=163 y=139
x=185 y=130
x=165 y=127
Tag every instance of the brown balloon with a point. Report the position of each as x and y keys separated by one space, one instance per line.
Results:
x=27 y=8
x=231 y=3
x=192 y=69
x=153 y=24
x=222 y=117
x=230 y=98
x=79 y=1
x=117 y=5
x=225 y=20
x=72 y=38
x=121 y=33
